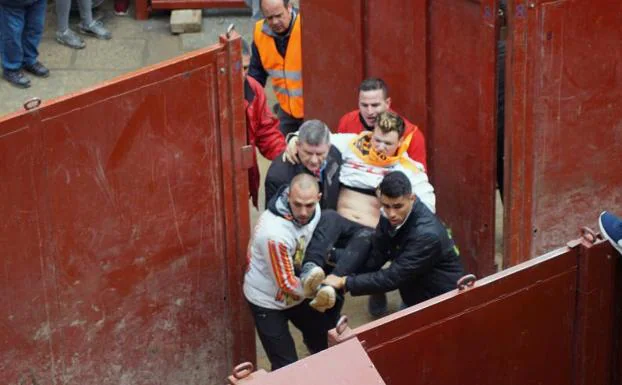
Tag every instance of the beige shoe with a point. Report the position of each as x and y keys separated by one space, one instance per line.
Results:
x=324 y=299
x=311 y=281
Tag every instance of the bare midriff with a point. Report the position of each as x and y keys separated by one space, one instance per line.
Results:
x=358 y=207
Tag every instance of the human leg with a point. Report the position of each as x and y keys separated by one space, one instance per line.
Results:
x=273 y=330
x=352 y=257
x=87 y=25
x=64 y=35
x=312 y=324
x=33 y=30
x=12 y=20
x=325 y=236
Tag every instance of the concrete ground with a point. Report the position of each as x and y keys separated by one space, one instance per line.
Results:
x=137 y=44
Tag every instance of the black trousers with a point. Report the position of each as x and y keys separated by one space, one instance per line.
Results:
x=344 y=241
x=287 y=123
x=273 y=329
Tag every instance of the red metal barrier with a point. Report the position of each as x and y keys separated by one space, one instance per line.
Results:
x=549 y=320
x=564 y=121
x=552 y=320
x=125 y=221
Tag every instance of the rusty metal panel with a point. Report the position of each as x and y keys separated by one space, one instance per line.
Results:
x=565 y=121
x=395 y=50
x=461 y=130
x=333 y=65
x=346 y=364
x=596 y=320
x=514 y=327
x=438 y=57
x=118 y=265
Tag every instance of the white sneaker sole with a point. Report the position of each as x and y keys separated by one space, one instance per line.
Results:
x=324 y=299
x=312 y=282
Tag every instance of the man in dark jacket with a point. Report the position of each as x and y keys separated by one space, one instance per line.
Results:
x=424 y=259
x=316 y=157
x=262 y=128
x=21 y=28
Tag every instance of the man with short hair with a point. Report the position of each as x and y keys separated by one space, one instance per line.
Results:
x=373 y=100
x=262 y=128
x=277 y=53
x=272 y=289
x=424 y=259
x=316 y=156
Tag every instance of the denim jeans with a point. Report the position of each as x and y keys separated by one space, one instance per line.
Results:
x=20 y=30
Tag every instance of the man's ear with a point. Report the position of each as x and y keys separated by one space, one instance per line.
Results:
x=319 y=196
x=413 y=197
x=388 y=101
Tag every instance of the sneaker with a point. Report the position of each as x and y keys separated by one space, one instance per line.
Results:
x=312 y=276
x=70 y=39
x=121 y=7
x=611 y=228
x=16 y=78
x=324 y=299
x=38 y=69
x=377 y=305
x=95 y=29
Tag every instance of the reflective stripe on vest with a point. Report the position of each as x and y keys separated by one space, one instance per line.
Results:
x=285 y=73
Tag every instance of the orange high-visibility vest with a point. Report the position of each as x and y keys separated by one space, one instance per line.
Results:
x=286 y=73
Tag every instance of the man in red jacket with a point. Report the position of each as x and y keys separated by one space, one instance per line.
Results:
x=374 y=99
x=262 y=128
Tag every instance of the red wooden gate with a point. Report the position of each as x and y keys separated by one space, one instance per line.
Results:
x=124 y=225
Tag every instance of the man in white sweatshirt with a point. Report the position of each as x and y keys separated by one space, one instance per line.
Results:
x=271 y=287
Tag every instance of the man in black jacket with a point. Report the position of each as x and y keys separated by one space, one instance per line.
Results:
x=424 y=259
x=316 y=157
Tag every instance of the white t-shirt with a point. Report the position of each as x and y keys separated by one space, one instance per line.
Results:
x=360 y=171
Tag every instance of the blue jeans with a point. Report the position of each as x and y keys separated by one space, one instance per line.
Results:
x=21 y=29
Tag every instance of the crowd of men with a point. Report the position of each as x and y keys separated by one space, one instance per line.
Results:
x=338 y=207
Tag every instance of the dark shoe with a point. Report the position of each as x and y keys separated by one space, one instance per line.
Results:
x=95 y=29
x=38 y=69
x=377 y=304
x=611 y=227
x=70 y=39
x=16 y=78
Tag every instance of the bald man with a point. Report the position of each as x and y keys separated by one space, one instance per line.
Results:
x=271 y=287
x=277 y=53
